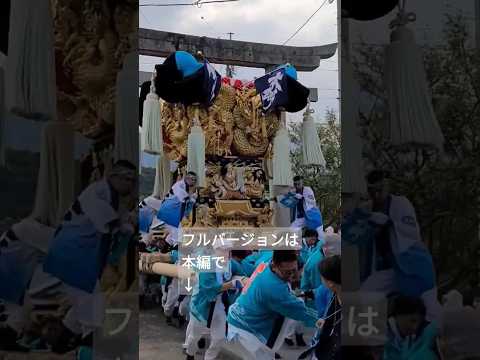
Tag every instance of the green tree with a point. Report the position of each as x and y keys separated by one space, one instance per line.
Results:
x=324 y=181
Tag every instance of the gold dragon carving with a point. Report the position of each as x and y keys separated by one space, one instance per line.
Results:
x=91 y=41
x=233 y=125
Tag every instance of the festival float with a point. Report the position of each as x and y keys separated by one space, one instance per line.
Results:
x=238 y=146
x=231 y=133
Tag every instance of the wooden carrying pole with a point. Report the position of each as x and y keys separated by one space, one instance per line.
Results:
x=170 y=270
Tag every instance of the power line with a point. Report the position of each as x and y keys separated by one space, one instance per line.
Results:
x=196 y=3
x=305 y=23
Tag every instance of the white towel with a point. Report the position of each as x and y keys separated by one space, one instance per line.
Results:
x=311 y=148
x=282 y=166
x=55 y=185
x=30 y=70
x=412 y=118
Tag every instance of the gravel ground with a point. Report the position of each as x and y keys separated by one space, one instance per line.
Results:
x=160 y=341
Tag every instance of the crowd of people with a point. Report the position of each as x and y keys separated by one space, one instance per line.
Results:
x=68 y=260
x=274 y=298
x=266 y=298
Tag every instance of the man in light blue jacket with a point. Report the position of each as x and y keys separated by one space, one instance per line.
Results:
x=211 y=298
x=257 y=320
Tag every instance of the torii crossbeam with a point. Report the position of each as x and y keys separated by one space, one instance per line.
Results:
x=233 y=52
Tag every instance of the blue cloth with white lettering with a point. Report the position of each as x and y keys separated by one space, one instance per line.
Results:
x=272 y=88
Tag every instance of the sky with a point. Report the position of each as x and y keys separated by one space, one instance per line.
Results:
x=265 y=21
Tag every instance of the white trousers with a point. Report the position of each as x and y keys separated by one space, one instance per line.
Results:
x=184 y=306
x=188 y=333
x=252 y=347
x=196 y=330
x=164 y=295
x=172 y=298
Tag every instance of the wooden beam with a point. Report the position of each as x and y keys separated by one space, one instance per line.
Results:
x=232 y=52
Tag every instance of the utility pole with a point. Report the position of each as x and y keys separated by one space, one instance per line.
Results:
x=230 y=70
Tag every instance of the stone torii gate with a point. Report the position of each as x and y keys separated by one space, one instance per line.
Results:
x=239 y=53
x=233 y=52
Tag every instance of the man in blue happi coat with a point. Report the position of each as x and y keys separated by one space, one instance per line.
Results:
x=177 y=205
x=410 y=335
x=97 y=225
x=303 y=210
x=211 y=298
x=398 y=260
x=258 y=319
x=310 y=244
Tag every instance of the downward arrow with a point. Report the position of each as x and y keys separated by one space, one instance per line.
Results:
x=188 y=287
